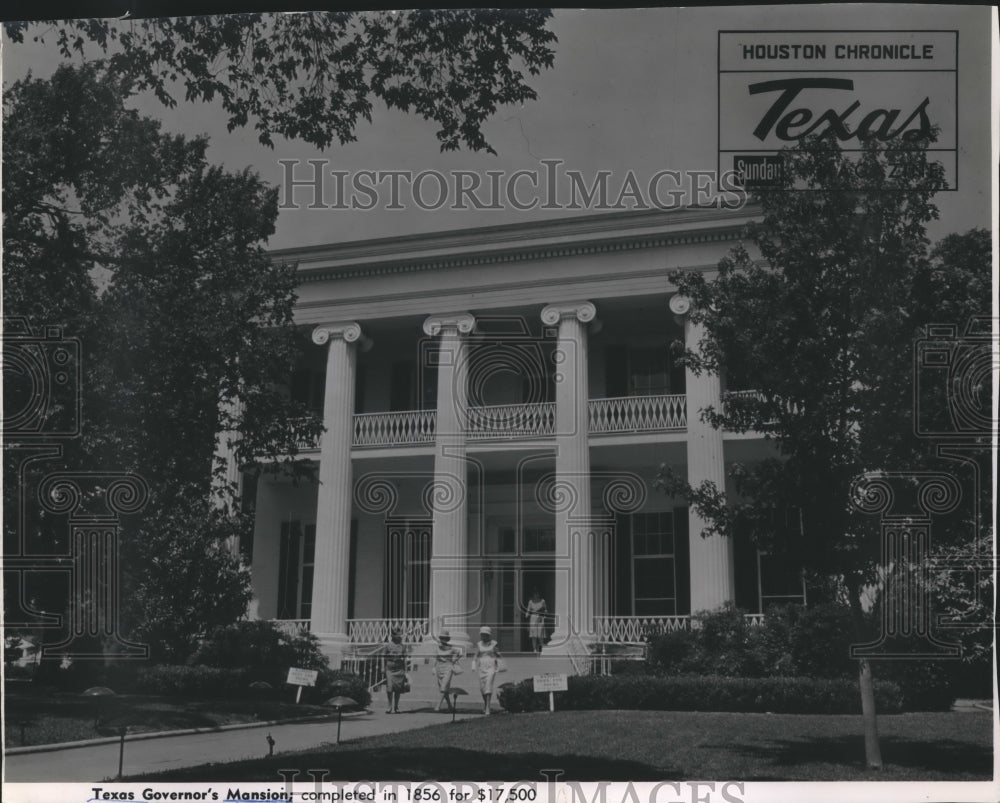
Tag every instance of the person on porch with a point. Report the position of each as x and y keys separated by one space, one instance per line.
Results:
x=447 y=663
x=488 y=662
x=535 y=614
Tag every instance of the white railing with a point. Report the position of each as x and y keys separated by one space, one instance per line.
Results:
x=391 y=429
x=292 y=627
x=377 y=631
x=637 y=629
x=579 y=655
x=511 y=421
x=371 y=669
x=638 y=414
x=734 y=397
x=755 y=619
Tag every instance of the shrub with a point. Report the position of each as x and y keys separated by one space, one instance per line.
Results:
x=820 y=641
x=926 y=684
x=191 y=681
x=705 y=693
x=675 y=653
x=331 y=683
x=261 y=650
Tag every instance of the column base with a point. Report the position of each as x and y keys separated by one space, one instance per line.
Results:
x=334 y=646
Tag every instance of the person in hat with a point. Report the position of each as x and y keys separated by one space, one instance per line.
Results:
x=447 y=663
x=488 y=662
x=395 y=653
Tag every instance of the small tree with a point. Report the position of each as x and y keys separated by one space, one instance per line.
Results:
x=822 y=324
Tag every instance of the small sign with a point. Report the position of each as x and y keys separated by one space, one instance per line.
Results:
x=550 y=682
x=302 y=677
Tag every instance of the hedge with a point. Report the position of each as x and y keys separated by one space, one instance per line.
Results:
x=705 y=693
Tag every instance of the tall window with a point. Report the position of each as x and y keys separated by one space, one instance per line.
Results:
x=654 y=582
x=649 y=373
x=296 y=560
x=408 y=569
x=632 y=370
x=778 y=581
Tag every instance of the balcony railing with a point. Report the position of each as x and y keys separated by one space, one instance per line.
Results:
x=292 y=627
x=638 y=414
x=501 y=421
x=639 y=629
x=391 y=429
x=624 y=414
x=731 y=400
x=377 y=631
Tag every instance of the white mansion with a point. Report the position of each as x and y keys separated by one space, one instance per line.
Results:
x=497 y=403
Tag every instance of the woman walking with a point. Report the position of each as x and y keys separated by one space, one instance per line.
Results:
x=447 y=664
x=488 y=661
x=395 y=654
x=535 y=614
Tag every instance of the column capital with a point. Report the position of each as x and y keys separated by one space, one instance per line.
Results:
x=348 y=331
x=463 y=322
x=583 y=311
x=680 y=305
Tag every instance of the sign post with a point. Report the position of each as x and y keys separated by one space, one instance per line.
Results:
x=551 y=683
x=301 y=677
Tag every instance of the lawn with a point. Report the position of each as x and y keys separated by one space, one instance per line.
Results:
x=646 y=745
x=50 y=716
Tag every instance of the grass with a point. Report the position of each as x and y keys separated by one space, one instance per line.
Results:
x=646 y=746
x=48 y=717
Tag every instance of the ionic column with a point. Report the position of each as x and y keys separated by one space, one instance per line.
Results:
x=711 y=567
x=574 y=585
x=449 y=549
x=333 y=508
x=228 y=487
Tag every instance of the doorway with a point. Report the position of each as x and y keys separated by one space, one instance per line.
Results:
x=517 y=578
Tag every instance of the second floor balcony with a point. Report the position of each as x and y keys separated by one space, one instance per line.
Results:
x=507 y=422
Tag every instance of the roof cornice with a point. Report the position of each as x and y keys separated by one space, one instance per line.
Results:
x=546 y=239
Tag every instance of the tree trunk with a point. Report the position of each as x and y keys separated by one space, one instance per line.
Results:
x=873 y=752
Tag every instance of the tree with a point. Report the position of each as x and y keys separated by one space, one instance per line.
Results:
x=822 y=324
x=180 y=314
x=314 y=76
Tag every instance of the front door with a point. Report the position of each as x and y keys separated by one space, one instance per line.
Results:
x=517 y=579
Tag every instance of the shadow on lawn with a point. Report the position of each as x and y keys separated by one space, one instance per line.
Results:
x=948 y=757
x=425 y=764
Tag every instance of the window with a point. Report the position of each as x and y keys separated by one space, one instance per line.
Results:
x=649 y=373
x=654 y=582
x=296 y=560
x=408 y=569
x=632 y=370
x=778 y=581
x=539 y=539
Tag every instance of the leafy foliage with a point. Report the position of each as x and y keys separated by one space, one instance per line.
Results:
x=314 y=76
x=822 y=323
x=154 y=259
x=702 y=693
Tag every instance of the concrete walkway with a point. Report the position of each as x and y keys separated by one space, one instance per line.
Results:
x=92 y=763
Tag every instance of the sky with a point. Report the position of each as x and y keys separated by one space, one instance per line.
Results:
x=631 y=90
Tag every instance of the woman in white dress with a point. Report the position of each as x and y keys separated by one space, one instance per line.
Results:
x=535 y=614
x=487 y=661
x=446 y=665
